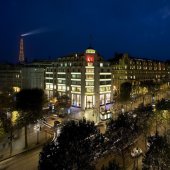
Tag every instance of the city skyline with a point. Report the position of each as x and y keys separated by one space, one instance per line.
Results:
x=138 y=28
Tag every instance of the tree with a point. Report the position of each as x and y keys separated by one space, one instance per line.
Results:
x=72 y=150
x=162 y=116
x=6 y=100
x=29 y=102
x=150 y=85
x=6 y=126
x=125 y=90
x=111 y=166
x=2 y=131
x=63 y=101
x=60 y=102
x=158 y=153
x=122 y=133
x=163 y=105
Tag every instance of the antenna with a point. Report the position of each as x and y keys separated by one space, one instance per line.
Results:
x=21 y=51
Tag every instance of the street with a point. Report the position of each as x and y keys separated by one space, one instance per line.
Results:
x=24 y=161
x=29 y=159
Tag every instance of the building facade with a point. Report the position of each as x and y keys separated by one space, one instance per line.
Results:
x=10 y=77
x=33 y=77
x=85 y=78
x=136 y=71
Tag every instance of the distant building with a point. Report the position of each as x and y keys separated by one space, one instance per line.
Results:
x=137 y=70
x=17 y=77
x=33 y=74
x=10 y=77
x=33 y=77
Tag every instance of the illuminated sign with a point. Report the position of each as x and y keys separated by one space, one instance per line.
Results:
x=90 y=58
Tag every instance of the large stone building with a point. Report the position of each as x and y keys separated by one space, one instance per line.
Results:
x=85 y=78
x=137 y=70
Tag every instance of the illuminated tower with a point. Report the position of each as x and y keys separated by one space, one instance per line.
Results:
x=21 y=51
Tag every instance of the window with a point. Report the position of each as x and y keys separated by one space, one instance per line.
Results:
x=102 y=89
x=89 y=70
x=76 y=100
x=89 y=76
x=108 y=88
x=101 y=64
x=76 y=89
x=89 y=89
x=108 y=98
x=73 y=76
x=89 y=83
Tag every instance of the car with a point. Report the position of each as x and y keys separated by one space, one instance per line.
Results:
x=136 y=152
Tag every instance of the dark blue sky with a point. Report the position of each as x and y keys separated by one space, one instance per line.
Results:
x=139 y=27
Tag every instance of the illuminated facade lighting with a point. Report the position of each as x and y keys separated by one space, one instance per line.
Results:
x=81 y=73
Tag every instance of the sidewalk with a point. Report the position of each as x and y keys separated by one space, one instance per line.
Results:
x=18 y=143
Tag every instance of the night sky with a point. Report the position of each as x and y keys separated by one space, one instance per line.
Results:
x=139 y=27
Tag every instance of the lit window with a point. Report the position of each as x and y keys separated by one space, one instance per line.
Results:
x=89 y=89
x=101 y=64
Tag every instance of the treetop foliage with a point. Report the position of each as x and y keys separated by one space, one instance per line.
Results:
x=125 y=90
x=72 y=150
x=30 y=99
x=158 y=153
